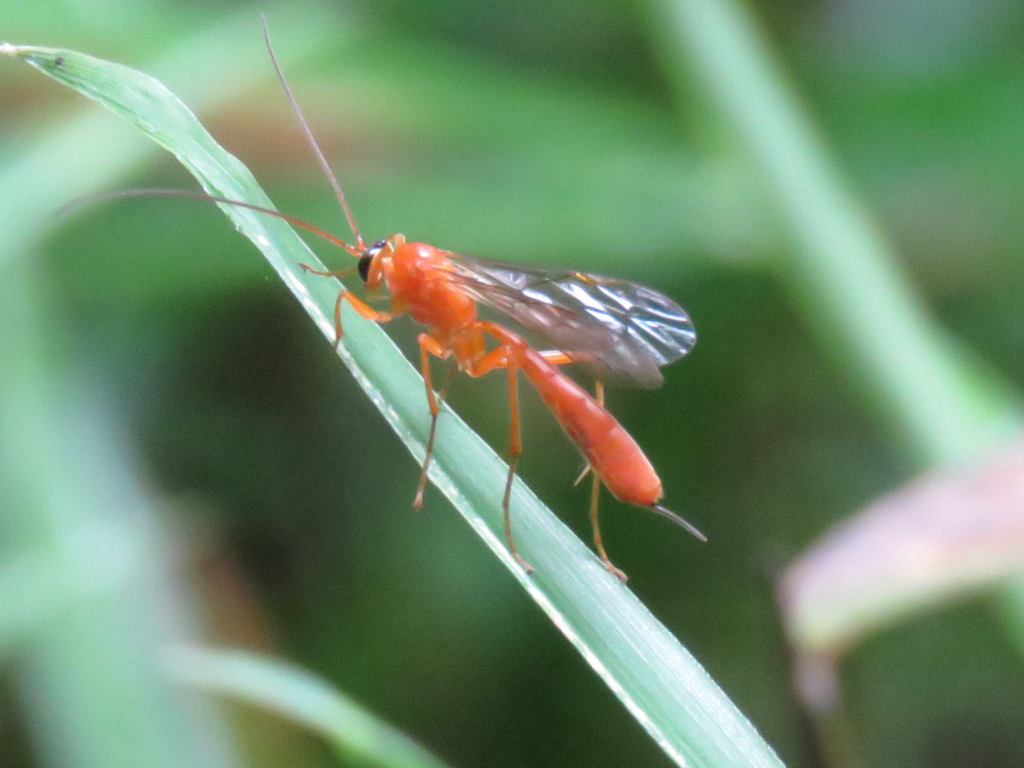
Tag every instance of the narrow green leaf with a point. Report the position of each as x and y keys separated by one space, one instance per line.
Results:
x=86 y=591
x=844 y=274
x=848 y=280
x=300 y=696
x=1011 y=607
x=646 y=667
x=37 y=586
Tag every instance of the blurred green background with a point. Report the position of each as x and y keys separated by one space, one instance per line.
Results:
x=278 y=503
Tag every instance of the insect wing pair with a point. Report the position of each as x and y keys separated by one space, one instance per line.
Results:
x=621 y=330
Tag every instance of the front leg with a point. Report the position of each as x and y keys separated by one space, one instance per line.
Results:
x=360 y=306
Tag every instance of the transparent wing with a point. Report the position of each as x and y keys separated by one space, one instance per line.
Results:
x=625 y=331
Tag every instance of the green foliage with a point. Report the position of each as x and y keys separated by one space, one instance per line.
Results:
x=813 y=238
x=300 y=696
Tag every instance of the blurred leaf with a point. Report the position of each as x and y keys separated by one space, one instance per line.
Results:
x=82 y=154
x=659 y=682
x=945 y=534
x=88 y=584
x=35 y=587
x=300 y=696
x=87 y=624
x=846 y=278
x=841 y=270
x=1012 y=604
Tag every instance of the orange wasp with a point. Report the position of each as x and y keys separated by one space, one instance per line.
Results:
x=623 y=331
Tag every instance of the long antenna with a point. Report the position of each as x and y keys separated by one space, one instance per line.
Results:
x=360 y=243
x=78 y=202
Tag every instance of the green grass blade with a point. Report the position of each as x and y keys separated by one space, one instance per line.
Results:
x=86 y=587
x=36 y=587
x=654 y=676
x=55 y=169
x=29 y=595
x=843 y=272
x=1011 y=608
x=303 y=697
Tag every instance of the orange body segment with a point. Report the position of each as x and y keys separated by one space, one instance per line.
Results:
x=611 y=451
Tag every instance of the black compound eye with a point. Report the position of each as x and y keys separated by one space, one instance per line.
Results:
x=378 y=245
x=364 y=266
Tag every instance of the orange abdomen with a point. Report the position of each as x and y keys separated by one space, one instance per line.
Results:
x=609 y=448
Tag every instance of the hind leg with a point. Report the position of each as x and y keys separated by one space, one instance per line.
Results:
x=595 y=494
x=504 y=357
